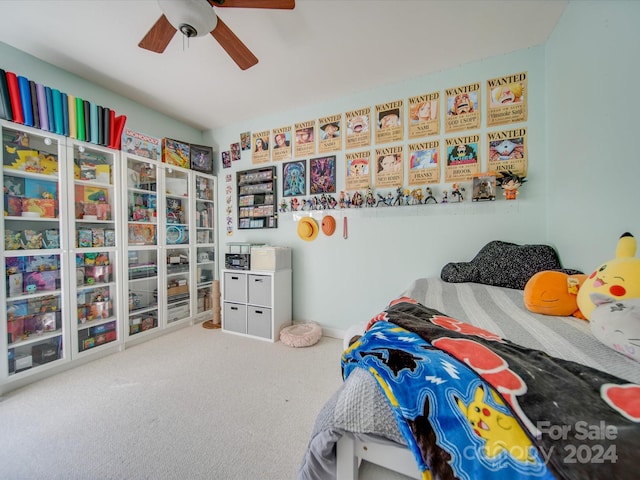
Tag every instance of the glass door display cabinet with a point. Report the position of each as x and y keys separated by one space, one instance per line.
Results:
x=141 y=179
x=177 y=238
x=206 y=224
x=95 y=233
x=33 y=301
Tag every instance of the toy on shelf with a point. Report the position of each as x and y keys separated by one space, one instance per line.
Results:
x=510 y=182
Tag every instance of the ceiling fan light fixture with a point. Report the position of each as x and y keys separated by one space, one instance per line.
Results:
x=193 y=18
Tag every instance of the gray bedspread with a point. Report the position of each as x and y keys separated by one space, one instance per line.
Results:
x=360 y=407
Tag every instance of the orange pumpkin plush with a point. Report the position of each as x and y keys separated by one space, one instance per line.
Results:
x=554 y=293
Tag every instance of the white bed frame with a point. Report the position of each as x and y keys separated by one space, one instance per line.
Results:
x=352 y=449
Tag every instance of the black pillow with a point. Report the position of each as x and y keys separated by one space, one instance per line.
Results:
x=504 y=264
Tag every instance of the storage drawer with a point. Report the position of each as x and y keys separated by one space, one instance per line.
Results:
x=260 y=290
x=259 y=322
x=235 y=317
x=235 y=287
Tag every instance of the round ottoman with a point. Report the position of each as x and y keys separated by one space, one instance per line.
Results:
x=301 y=334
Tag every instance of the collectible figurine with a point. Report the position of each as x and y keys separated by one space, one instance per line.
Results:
x=429 y=195
x=510 y=182
x=416 y=196
x=456 y=192
x=445 y=197
x=369 y=198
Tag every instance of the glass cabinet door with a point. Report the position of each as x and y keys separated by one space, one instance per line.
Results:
x=95 y=228
x=205 y=223
x=177 y=240
x=142 y=245
x=33 y=301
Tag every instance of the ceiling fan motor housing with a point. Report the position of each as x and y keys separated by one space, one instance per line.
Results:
x=193 y=18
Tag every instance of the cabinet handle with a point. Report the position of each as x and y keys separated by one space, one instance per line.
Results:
x=235 y=278
x=259 y=280
x=234 y=308
x=259 y=312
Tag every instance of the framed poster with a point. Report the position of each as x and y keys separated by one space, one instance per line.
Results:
x=294 y=178
x=322 y=175
x=201 y=159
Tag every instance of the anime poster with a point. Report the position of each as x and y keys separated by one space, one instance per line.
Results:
x=330 y=134
x=463 y=108
x=322 y=175
x=358 y=170
x=235 y=152
x=294 y=178
x=358 y=134
x=424 y=163
x=389 y=167
x=260 y=149
x=389 y=127
x=424 y=120
x=226 y=159
x=281 y=144
x=305 y=141
x=463 y=158
x=245 y=141
x=508 y=151
x=507 y=99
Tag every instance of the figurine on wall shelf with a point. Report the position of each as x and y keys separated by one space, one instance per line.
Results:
x=456 y=192
x=510 y=182
x=429 y=196
x=445 y=197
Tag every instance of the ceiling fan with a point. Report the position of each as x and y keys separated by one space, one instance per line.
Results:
x=196 y=18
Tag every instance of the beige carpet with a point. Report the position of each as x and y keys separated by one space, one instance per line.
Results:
x=193 y=404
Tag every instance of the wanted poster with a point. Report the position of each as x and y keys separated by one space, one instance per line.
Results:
x=389 y=167
x=281 y=144
x=463 y=108
x=507 y=99
x=508 y=151
x=305 y=140
x=424 y=120
x=330 y=133
x=358 y=134
x=260 y=150
x=463 y=158
x=358 y=170
x=424 y=163
x=389 y=127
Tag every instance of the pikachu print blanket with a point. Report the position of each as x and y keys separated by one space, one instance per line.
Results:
x=472 y=405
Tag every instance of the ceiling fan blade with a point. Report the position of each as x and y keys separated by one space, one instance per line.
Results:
x=237 y=50
x=159 y=36
x=275 y=4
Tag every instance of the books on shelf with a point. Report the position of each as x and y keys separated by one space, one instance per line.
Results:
x=42 y=107
x=14 y=96
x=25 y=100
x=5 y=100
x=36 y=105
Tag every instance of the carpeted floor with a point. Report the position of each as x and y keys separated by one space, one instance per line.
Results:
x=193 y=404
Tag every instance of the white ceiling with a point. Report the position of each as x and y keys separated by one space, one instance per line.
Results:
x=321 y=50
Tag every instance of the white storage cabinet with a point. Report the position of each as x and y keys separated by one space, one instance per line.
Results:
x=256 y=303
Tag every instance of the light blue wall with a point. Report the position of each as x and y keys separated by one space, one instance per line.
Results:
x=139 y=118
x=338 y=282
x=593 y=130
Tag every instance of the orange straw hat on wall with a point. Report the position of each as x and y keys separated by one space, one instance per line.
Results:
x=328 y=225
x=307 y=229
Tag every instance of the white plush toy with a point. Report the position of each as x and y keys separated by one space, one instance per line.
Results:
x=616 y=323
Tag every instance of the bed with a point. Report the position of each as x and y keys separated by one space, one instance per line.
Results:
x=571 y=403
